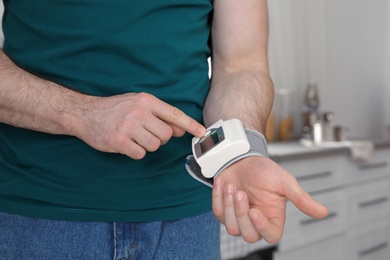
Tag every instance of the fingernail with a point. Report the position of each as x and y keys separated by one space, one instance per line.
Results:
x=217 y=184
x=201 y=131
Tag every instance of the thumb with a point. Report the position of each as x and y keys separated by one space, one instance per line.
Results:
x=304 y=202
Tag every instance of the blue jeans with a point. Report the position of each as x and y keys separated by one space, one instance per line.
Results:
x=24 y=238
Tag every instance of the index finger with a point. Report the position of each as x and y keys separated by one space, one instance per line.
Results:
x=176 y=117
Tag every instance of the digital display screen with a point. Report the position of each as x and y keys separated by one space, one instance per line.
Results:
x=208 y=142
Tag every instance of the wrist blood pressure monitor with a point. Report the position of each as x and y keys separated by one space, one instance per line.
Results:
x=224 y=143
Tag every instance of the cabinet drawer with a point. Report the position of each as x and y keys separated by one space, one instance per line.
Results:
x=301 y=229
x=333 y=248
x=316 y=173
x=370 y=242
x=369 y=201
x=379 y=166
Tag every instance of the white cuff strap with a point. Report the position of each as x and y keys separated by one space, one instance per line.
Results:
x=258 y=147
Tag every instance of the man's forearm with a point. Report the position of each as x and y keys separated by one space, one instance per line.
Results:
x=241 y=86
x=30 y=102
x=246 y=95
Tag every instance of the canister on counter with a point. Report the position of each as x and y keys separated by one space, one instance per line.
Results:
x=327 y=127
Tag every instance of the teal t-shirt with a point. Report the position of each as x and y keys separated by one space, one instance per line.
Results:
x=106 y=48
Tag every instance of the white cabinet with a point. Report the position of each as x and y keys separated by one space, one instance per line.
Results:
x=368 y=202
x=379 y=166
x=369 y=206
x=358 y=200
x=317 y=251
x=369 y=241
x=316 y=173
x=323 y=176
x=302 y=230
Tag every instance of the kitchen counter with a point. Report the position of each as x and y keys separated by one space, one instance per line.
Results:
x=294 y=149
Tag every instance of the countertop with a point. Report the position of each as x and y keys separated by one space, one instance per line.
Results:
x=295 y=149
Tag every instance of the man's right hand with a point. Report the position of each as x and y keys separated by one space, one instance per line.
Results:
x=130 y=124
x=133 y=124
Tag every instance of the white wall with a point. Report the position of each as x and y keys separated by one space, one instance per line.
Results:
x=386 y=72
x=342 y=45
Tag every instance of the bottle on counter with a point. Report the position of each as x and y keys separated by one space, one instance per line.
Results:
x=310 y=110
x=285 y=122
x=317 y=133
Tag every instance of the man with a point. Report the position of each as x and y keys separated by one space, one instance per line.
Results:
x=95 y=100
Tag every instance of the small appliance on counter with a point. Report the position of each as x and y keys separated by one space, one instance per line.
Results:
x=318 y=126
x=311 y=112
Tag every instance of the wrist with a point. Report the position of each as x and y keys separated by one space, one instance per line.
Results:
x=77 y=117
x=224 y=151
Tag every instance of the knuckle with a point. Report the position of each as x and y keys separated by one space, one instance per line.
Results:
x=240 y=212
x=122 y=125
x=233 y=231
x=137 y=154
x=251 y=238
x=145 y=98
x=272 y=240
x=218 y=213
x=119 y=141
x=153 y=145
x=275 y=237
x=166 y=134
x=137 y=113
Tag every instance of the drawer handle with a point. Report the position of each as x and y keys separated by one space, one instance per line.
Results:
x=313 y=220
x=314 y=176
x=373 y=249
x=373 y=165
x=373 y=202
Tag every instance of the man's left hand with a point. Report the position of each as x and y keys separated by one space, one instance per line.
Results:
x=250 y=198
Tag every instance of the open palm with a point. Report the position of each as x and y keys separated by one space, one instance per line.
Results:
x=250 y=198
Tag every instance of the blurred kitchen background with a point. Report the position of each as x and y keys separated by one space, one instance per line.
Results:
x=343 y=46
x=330 y=62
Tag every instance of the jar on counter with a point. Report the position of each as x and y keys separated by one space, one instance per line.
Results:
x=285 y=118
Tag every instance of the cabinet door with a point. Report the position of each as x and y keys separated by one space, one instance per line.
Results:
x=317 y=173
x=369 y=201
x=301 y=229
x=330 y=249
x=378 y=167
x=370 y=241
